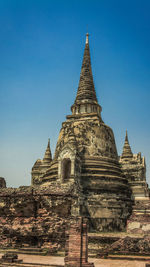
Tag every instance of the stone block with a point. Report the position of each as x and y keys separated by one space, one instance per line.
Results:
x=134 y=225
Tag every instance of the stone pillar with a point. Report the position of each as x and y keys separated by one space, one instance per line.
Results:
x=84 y=241
x=77 y=245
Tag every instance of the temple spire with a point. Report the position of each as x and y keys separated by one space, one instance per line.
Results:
x=127 y=152
x=86 y=100
x=86 y=89
x=48 y=155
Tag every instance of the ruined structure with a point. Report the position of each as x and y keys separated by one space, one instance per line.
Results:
x=10 y=258
x=134 y=168
x=84 y=178
x=41 y=166
x=86 y=158
x=2 y=182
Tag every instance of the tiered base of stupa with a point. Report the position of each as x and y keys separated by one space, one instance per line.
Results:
x=107 y=194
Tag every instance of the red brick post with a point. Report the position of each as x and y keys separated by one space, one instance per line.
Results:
x=84 y=241
x=77 y=245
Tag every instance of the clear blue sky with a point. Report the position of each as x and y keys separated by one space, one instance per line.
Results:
x=41 y=49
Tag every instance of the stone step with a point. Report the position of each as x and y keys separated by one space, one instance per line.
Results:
x=28 y=265
x=21 y=251
x=30 y=249
x=128 y=257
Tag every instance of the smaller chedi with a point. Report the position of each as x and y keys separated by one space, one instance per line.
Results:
x=41 y=166
x=134 y=168
x=84 y=178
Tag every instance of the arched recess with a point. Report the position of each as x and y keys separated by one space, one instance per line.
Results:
x=66 y=169
x=66 y=163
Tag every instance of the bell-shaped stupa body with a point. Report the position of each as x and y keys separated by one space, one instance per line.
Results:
x=86 y=154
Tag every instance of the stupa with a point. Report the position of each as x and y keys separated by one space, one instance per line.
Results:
x=86 y=158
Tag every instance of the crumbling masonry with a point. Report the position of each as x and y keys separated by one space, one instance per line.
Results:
x=84 y=178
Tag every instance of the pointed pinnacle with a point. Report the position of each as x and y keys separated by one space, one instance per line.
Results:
x=126 y=138
x=48 y=155
x=48 y=142
x=127 y=152
x=86 y=90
